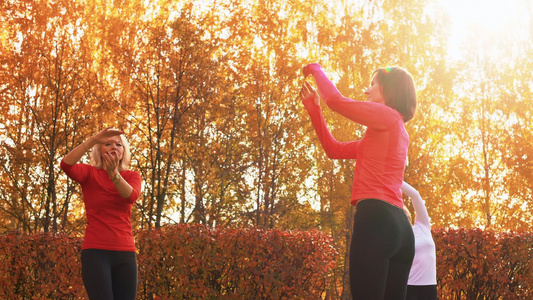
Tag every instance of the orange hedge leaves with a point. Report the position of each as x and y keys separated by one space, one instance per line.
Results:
x=40 y=266
x=178 y=262
x=195 y=262
x=477 y=264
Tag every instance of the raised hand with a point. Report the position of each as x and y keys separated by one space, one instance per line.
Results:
x=308 y=93
x=101 y=137
x=308 y=69
x=104 y=135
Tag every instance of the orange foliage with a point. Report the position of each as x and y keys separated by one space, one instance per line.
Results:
x=477 y=264
x=40 y=266
x=177 y=262
x=193 y=261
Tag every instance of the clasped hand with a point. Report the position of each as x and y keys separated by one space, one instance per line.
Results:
x=110 y=161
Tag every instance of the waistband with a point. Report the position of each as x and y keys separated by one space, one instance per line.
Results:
x=383 y=201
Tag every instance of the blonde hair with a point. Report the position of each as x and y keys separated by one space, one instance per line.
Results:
x=123 y=164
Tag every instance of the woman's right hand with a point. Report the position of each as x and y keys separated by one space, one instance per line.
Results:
x=308 y=68
x=104 y=135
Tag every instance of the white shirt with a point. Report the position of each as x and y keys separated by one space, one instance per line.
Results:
x=424 y=268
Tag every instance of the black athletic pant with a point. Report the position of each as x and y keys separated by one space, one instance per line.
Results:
x=381 y=251
x=422 y=292
x=109 y=275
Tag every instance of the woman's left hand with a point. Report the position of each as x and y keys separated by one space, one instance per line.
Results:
x=308 y=93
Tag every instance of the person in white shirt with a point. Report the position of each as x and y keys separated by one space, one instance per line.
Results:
x=422 y=283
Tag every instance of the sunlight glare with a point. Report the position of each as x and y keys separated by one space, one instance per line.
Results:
x=491 y=15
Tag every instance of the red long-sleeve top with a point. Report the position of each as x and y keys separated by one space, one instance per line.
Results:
x=381 y=153
x=108 y=213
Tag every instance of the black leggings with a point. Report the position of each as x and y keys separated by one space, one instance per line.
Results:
x=422 y=292
x=381 y=251
x=109 y=275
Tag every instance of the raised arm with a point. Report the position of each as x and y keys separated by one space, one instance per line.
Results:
x=333 y=148
x=77 y=153
x=110 y=162
x=421 y=213
x=101 y=137
x=374 y=115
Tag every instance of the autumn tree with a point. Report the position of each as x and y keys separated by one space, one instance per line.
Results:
x=491 y=95
x=207 y=92
x=48 y=84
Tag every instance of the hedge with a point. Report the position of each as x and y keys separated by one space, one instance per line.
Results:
x=179 y=262
x=196 y=262
x=482 y=265
x=40 y=266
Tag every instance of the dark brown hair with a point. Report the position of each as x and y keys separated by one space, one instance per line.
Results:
x=398 y=90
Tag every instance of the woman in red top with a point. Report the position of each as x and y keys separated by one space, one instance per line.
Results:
x=109 y=262
x=382 y=247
